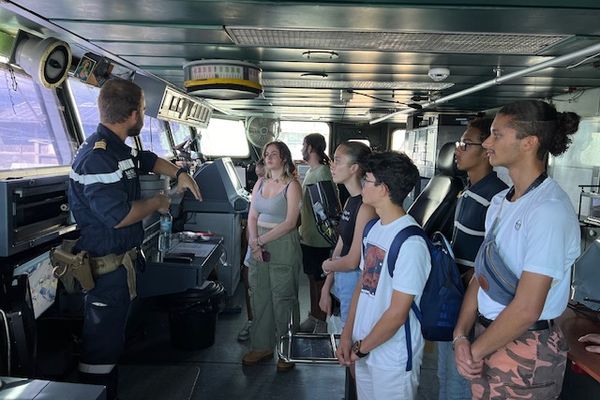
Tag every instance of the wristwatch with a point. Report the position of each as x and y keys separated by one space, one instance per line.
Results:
x=356 y=349
x=180 y=171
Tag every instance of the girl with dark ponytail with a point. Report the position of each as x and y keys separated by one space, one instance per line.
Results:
x=315 y=248
x=532 y=239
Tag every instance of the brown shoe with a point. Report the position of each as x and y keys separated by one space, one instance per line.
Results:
x=283 y=366
x=254 y=357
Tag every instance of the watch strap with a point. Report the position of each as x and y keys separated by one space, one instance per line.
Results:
x=180 y=171
x=356 y=349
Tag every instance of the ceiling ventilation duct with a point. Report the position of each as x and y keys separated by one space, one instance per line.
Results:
x=222 y=79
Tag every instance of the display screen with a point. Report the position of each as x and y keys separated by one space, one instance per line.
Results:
x=232 y=174
x=42 y=282
x=595 y=207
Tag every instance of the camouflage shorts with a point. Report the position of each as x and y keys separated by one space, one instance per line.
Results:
x=530 y=367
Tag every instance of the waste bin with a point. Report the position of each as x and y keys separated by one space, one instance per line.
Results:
x=193 y=316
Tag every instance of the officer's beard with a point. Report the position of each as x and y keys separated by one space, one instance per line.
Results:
x=135 y=130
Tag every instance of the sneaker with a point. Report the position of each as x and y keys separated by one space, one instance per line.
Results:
x=308 y=325
x=284 y=366
x=254 y=357
x=320 y=327
x=245 y=332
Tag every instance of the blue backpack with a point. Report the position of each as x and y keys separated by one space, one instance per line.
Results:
x=443 y=294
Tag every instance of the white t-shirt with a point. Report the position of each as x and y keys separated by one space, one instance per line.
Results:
x=410 y=275
x=537 y=233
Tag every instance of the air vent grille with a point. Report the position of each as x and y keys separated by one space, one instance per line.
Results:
x=423 y=42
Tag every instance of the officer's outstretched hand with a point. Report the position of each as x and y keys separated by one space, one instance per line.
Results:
x=164 y=202
x=185 y=181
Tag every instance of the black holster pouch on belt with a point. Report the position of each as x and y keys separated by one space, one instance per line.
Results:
x=69 y=267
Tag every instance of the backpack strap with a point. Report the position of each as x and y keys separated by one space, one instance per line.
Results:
x=366 y=231
x=392 y=256
x=397 y=243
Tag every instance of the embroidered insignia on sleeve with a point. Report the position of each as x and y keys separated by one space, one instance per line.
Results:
x=100 y=144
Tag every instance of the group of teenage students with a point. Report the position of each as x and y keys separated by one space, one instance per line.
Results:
x=506 y=344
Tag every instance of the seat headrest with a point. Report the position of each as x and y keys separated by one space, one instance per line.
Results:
x=445 y=161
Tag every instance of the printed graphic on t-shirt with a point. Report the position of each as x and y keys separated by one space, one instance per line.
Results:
x=374 y=257
x=346 y=215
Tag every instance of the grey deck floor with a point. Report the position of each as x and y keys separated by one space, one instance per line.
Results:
x=152 y=369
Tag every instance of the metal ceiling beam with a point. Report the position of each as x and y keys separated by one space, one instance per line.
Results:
x=498 y=80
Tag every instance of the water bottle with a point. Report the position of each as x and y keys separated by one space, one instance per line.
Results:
x=164 y=238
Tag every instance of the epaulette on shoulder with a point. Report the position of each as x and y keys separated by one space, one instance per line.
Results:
x=100 y=144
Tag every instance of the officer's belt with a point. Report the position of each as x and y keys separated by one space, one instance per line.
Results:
x=110 y=262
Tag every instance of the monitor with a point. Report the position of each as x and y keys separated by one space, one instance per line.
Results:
x=221 y=188
x=42 y=282
x=241 y=174
x=233 y=177
x=586 y=277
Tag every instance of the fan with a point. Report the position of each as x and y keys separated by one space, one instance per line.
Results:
x=260 y=130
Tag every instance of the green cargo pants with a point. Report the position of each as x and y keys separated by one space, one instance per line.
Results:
x=274 y=291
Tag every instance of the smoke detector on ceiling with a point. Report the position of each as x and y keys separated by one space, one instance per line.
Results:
x=346 y=96
x=438 y=74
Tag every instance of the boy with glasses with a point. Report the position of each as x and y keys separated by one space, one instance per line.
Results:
x=374 y=337
x=469 y=230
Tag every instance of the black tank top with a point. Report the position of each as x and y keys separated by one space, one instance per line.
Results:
x=348 y=222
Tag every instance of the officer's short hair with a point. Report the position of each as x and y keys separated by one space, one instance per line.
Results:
x=117 y=100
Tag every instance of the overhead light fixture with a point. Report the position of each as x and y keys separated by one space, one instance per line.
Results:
x=355 y=85
x=320 y=55
x=308 y=75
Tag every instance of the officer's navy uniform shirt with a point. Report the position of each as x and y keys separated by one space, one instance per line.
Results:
x=469 y=219
x=103 y=184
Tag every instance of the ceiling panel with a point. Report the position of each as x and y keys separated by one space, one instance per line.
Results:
x=160 y=36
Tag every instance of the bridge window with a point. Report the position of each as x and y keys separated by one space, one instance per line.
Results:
x=224 y=137
x=155 y=137
x=86 y=99
x=154 y=134
x=366 y=142
x=580 y=165
x=293 y=132
x=32 y=128
x=398 y=137
x=181 y=132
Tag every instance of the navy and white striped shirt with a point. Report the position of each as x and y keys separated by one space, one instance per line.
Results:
x=103 y=184
x=469 y=219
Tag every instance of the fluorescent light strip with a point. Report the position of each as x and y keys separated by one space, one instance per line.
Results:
x=328 y=84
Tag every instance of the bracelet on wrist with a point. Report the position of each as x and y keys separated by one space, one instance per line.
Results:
x=457 y=338
x=356 y=349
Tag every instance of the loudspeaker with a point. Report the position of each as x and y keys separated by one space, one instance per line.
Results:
x=413 y=121
x=46 y=60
